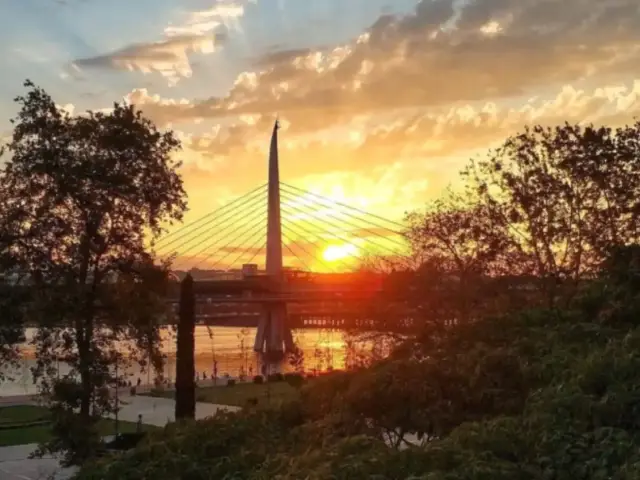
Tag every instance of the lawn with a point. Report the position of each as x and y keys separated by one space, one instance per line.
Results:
x=30 y=414
x=241 y=394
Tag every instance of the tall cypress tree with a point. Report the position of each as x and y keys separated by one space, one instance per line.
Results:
x=185 y=363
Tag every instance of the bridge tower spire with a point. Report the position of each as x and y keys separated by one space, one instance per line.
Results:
x=274 y=225
x=273 y=337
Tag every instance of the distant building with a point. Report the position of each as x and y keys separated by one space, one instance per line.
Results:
x=249 y=270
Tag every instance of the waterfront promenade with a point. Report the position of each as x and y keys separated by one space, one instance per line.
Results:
x=14 y=461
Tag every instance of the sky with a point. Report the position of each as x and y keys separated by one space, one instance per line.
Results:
x=381 y=102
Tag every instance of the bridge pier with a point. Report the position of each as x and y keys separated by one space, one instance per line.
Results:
x=273 y=338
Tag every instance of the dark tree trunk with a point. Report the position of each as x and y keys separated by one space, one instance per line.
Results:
x=185 y=365
x=84 y=365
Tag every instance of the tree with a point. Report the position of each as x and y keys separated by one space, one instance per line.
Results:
x=461 y=252
x=565 y=194
x=11 y=329
x=81 y=196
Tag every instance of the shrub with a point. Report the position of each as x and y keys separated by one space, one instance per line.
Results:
x=294 y=379
x=258 y=379
x=231 y=382
x=276 y=377
x=157 y=392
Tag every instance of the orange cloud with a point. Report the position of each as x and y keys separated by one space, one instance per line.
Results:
x=387 y=120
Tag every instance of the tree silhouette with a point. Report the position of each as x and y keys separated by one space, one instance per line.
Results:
x=565 y=194
x=81 y=195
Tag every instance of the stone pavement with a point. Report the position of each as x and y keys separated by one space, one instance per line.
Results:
x=15 y=464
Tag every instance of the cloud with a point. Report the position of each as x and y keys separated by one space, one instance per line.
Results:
x=384 y=164
x=438 y=55
x=169 y=57
x=225 y=13
x=396 y=112
x=201 y=32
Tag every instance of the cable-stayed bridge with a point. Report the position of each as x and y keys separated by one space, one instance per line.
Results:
x=280 y=258
x=318 y=235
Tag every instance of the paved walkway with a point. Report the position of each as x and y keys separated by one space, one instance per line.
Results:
x=14 y=461
x=15 y=464
x=160 y=411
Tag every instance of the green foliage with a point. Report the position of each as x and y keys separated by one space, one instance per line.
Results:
x=11 y=330
x=275 y=377
x=538 y=395
x=296 y=380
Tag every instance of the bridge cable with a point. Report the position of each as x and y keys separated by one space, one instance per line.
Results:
x=342 y=239
x=218 y=210
x=319 y=236
x=286 y=245
x=235 y=239
x=248 y=249
x=339 y=227
x=317 y=213
x=248 y=200
x=264 y=247
x=348 y=207
x=331 y=206
x=259 y=220
x=305 y=250
x=239 y=219
x=232 y=251
x=220 y=225
x=319 y=240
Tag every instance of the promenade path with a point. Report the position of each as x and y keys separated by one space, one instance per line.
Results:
x=14 y=461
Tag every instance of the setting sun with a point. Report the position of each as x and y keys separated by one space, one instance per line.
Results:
x=339 y=252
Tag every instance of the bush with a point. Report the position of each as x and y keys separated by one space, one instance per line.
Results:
x=294 y=379
x=276 y=377
x=258 y=379
x=156 y=392
x=231 y=382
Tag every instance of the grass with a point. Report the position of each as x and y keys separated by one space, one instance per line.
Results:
x=41 y=433
x=240 y=394
x=22 y=414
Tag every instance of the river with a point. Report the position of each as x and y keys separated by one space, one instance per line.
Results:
x=231 y=349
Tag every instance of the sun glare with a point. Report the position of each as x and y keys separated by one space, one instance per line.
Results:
x=334 y=253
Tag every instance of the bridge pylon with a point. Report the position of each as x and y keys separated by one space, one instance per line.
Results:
x=274 y=338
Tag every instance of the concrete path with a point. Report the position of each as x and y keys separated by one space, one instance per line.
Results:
x=15 y=464
x=160 y=411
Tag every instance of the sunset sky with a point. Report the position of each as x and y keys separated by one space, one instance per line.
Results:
x=381 y=101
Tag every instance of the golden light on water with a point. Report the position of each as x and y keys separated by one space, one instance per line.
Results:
x=231 y=349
